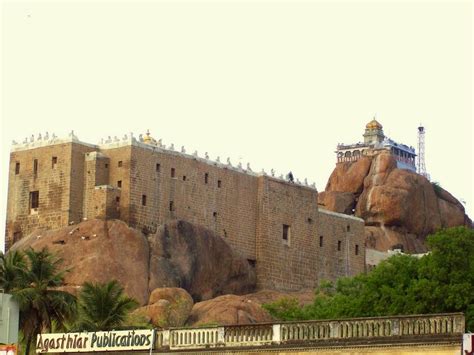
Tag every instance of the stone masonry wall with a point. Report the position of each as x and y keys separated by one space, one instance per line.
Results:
x=274 y=224
x=52 y=181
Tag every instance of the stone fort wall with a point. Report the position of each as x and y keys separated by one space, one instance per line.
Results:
x=274 y=224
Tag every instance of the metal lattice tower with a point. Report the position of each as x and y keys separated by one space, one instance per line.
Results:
x=420 y=166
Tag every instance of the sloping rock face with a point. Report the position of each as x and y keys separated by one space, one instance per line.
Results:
x=178 y=255
x=194 y=258
x=226 y=310
x=399 y=207
x=98 y=251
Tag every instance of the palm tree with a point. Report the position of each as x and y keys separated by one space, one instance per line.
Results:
x=103 y=306
x=41 y=305
x=12 y=268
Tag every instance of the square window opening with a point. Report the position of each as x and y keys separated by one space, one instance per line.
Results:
x=339 y=245
x=357 y=249
x=348 y=228
x=120 y=164
x=158 y=168
x=35 y=167
x=143 y=200
x=17 y=168
x=219 y=183
x=206 y=178
x=184 y=177
x=54 y=162
x=119 y=184
x=171 y=206
x=173 y=172
x=321 y=241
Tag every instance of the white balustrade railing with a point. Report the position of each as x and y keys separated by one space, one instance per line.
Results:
x=310 y=331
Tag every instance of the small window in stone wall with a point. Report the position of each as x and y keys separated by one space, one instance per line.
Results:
x=357 y=249
x=16 y=236
x=17 y=168
x=158 y=168
x=143 y=200
x=184 y=177
x=219 y=183
x=54 y=162
x=171 y=206
x=35 y=167
x=117 y=199
x=348 y=228
x=120 y=164
x=321 y=240
x=106 y=165
x=173 y=172
x=206 y=178
x=34 y=200
x=286 y=234
x=339 y=245
x=119 y=183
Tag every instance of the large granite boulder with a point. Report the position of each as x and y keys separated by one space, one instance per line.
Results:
x=167 y=307
x=98 y=251
x=399 y=207
x=196 y=259
x=226 y=310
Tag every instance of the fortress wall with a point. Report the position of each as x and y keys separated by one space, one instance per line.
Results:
x=341 y=234
x=120 y=173
x=52 y=183
x=286 y=264
x=227 y=207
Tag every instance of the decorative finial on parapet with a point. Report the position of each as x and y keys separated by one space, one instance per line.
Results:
x=39 y=137
x=228 y=162
x=72 y=135
x=218 y=159
x=108 y=140
x=46 y=136
x=25 y=140
x=248 y=167
x=102 y=141
x=306 y=181
x=313 y=185
x=239 y=165
x=263 y=172
x=182 y=149
x=125 y=137
x=272 y=172
x=206 y=155
x=54 y=136
x=116 y=139
x=195 y=153
x=172 y=146
x=140 y=137
x=298 y=181
x=281 y=176
x=14 y=142
x=32 y=138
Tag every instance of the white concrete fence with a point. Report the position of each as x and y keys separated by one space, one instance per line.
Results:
x=256 y=335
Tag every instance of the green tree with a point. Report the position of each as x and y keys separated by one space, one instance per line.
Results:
x=103 y=307
x=442 y=281
x=32 y=279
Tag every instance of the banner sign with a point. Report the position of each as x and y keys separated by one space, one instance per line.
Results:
x=7 y=349
x=468 y=344
x=95 y=341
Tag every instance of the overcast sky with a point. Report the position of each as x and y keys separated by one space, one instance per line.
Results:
x=276 y=84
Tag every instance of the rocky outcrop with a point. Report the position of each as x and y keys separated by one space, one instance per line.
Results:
x=227 y=309
x=98 y=251
x=178 y=255
x=399 y=206
x=194 y=258
x=167 y=307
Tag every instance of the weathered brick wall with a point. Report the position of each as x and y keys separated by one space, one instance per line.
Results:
x=291 y=264
x=228 y=207
x=342 y=235
x=52 y=183
x=146 y=186
x=96 y=173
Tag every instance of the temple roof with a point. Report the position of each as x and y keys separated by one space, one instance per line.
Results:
x=374 y=124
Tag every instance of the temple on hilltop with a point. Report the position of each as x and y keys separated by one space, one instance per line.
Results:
x=374 y=140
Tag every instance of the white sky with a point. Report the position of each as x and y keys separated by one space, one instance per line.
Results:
x=276 y=84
